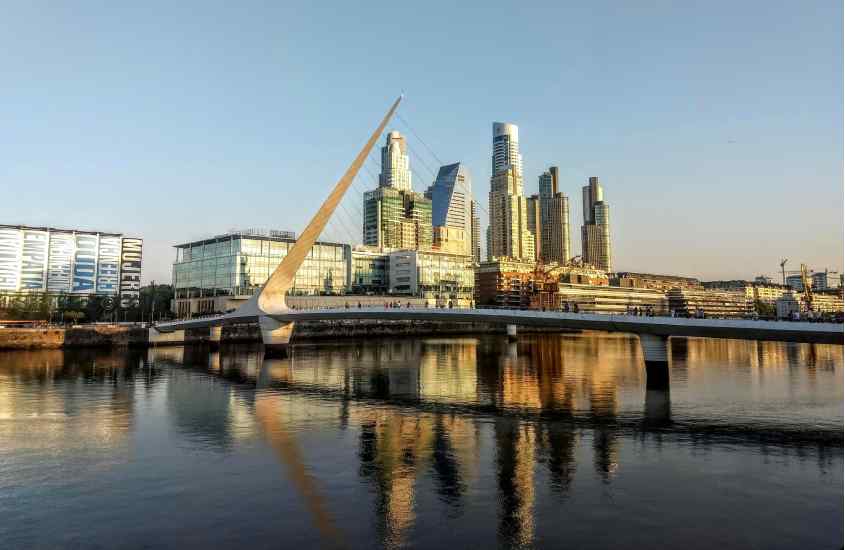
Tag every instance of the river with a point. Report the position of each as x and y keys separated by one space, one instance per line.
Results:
x=553 y=441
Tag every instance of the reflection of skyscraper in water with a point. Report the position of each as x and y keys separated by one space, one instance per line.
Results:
x=515 y=443
x=392 y=447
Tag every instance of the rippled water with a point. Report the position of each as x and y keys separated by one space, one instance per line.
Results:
x=454 y=442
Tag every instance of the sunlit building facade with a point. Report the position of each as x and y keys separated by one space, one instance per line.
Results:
x=440 y=278
x=70 y=262
x=235 y=265
x=595 y=233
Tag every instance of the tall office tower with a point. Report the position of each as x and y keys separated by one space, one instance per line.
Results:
x=476 y=233
x=509 y=235
x=395 y=167
x=451 y=194
x=535 y=224
x=554 y=219
x=506 y=147
x=488 y=241
x=595 y=233
x=394 y=216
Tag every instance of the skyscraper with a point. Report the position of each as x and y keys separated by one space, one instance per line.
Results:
x=554 y=219
x=476 y=233
x=395 y=167
x=451 y=194
x=509 y=235
x=394 y=216
x=506 y=147
x=535 y=224
x=595 y=233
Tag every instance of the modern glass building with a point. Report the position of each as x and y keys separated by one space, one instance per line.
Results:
x=451 y=195
x=441 y=278
x=238 y=263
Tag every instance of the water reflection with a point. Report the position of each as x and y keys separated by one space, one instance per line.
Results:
x=443 y=419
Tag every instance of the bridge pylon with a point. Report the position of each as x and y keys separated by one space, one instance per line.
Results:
x=270 y=300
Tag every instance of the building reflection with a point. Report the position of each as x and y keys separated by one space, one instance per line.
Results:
x=42 y=390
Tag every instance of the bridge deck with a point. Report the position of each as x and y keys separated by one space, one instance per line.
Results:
x=824 y=333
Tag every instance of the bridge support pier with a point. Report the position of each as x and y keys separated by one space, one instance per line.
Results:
x=512 y=333
x=156 y=338
x=276 y=336
x=215 y=334
x=656 y=354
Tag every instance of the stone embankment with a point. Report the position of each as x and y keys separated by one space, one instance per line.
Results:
x=128 y=336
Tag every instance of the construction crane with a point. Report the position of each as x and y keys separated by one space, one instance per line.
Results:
x=783 y=270
x=807 y=283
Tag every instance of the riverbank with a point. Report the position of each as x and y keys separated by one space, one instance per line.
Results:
x=119 y=336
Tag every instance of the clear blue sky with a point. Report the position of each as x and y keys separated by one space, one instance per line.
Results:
x=716 y=127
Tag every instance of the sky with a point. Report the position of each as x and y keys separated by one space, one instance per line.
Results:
x=715 y=127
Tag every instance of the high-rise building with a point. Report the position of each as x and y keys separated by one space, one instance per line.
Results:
x=535 y=224
x=394 y=216
x=451 y=194
x=554 y=219
x=395 y=166
x=506 y=147
x=476 y=233
x=595 y=233
x=509 y=236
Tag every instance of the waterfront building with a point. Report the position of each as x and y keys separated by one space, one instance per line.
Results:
x=509 y=236
x=763 y=292
x=395 y=165
x=726 y=304
x=609 y=300
x=217 y=274
x=70 y=261
x=369 y=271
x=451 y=195
x=795 y=282
x=475 y=233
x=826 y=280
x=795 y=303
x=442 y=279
x=629 y=279
x=595 y=233
x=554 y=220
x=504 y=283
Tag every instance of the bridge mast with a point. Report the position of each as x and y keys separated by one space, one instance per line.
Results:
x=271 y=298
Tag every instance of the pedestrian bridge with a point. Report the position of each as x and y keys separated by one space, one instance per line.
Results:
x=815 y=333
x=269 y=309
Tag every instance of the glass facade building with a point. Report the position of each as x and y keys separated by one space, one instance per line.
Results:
x=237 y=264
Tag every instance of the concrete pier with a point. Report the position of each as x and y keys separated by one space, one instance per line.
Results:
x=656 y=354
x=156 y=338
x=512 y=332
x=215 y=335
x=275 y=336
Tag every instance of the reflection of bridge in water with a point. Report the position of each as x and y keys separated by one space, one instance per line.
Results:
x=421 y=406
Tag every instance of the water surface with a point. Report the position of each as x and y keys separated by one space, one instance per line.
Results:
x=463 y=442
